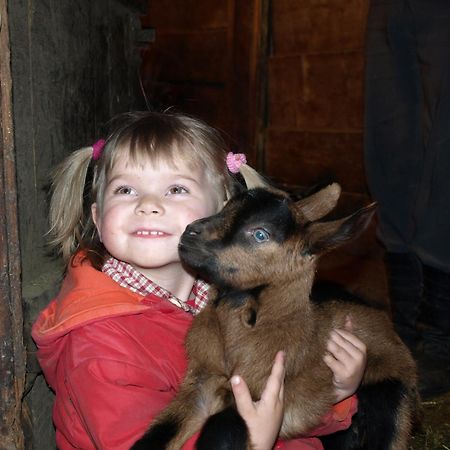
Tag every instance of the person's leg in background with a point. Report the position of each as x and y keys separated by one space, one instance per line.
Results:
x=393 y=145
x=405 y=282
x=405 y=140
x=431 y=240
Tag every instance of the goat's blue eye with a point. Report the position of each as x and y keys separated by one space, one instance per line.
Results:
x=260 y=235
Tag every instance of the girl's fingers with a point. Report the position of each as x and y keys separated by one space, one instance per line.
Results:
x=348 y=323
x=339 y=348
x=244 y=402
x=274 y=389
x=348 y=341
x=334 y=364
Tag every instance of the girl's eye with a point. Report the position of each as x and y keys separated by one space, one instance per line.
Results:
x=260 y=235
x=125 y=190
x=177 y=190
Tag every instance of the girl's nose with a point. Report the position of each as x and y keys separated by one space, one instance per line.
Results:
x=149 y=205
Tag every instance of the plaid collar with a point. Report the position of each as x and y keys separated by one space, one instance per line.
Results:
x=128 y=277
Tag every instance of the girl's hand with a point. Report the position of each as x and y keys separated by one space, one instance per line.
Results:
x=264 y=417
x=346 y=357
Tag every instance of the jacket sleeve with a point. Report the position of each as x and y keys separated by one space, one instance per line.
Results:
x=337 y=419
x=117 y=380
x=115 y=401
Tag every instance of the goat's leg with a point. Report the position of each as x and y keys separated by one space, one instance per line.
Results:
x=224 y=430
x=196 y=400
x=174 y=426
x=388 y=406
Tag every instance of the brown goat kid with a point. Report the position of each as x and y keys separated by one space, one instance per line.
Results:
x=261 y=253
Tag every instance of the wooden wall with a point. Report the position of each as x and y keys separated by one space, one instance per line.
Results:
x=72 y=69
x=315 y=96
x=204 y=61
x=187 y=64
x=12 y=350
x=295 y=106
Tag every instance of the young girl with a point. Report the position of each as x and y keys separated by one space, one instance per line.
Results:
x=111 y=343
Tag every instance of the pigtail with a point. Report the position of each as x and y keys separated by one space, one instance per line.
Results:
x=68 y=215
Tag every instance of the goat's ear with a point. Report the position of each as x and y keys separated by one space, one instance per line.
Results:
x=323 y=236
x=318 y=205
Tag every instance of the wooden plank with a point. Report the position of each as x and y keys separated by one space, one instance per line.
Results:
x=318 y=26
x=185 y=15
x=201 y=56
x=317 y=92
x=218 y=60
x=249 y=75
x=199 y=100
x=12 y=354
x=306 y=158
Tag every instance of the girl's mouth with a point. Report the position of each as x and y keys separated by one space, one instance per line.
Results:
x=150 y=233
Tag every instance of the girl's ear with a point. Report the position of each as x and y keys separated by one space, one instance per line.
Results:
x=96 y=219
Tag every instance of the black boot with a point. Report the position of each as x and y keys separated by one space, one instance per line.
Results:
x=434 y=356
x=405 y=281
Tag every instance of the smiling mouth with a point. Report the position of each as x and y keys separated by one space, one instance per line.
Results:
x=150 y=233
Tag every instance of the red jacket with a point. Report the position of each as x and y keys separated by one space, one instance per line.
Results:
x=115 y=359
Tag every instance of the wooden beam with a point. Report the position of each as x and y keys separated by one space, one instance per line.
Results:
x=248 y=77
x=12 y=353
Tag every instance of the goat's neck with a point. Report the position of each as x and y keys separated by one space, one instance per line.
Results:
x=290 y=295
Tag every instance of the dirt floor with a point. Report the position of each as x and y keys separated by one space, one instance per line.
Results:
x=359 y=266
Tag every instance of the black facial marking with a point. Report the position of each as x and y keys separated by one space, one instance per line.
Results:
x=259 y=207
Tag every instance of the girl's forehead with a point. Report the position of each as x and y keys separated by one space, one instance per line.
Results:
x=175 y=165
x=176 y=162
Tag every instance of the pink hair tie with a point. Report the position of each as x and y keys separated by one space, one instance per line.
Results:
x=235 y=161
x=97 y=149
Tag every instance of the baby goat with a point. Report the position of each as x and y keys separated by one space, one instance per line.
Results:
x=261 y=253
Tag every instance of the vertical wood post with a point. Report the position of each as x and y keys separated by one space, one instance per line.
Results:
x=248 y=80
x=12 y=354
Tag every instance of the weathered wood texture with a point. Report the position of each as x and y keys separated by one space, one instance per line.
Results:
x=315 y=90
x=74 y=65
x=214 y=65
x=306 y=158
x=186 y=66
x=204 y=61
x=12 y=352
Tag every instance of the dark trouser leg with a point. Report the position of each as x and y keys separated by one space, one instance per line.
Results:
x=405 y=280
x=434 y=356
x=436 y=314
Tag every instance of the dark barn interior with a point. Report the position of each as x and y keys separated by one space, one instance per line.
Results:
x=282 y=79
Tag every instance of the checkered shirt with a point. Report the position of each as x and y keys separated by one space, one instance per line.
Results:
x=128 y=277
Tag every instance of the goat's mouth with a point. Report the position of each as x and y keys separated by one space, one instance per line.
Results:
x=200 y=260
x=194 y=256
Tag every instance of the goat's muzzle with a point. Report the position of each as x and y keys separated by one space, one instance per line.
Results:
x=190 y=241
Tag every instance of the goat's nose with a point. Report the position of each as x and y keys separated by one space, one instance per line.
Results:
x=193 y=229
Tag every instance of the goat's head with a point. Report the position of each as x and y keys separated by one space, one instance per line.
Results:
x=262 y=236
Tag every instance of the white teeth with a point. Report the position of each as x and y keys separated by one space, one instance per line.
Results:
x=149 y=233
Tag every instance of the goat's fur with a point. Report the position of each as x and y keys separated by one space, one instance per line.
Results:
x=261 y=253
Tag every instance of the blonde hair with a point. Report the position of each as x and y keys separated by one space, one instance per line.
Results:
x=141 y=137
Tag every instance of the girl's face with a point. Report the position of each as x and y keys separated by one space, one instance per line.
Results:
x=146 y=208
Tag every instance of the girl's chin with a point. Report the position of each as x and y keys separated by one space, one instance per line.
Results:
x=144 y=266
